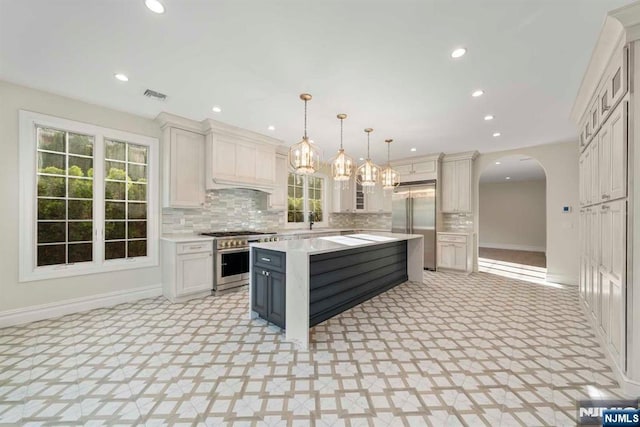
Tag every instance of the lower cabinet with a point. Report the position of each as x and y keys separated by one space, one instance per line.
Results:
x=454 y=251
x=268 y=286
x=187 y=269
x=603 y=271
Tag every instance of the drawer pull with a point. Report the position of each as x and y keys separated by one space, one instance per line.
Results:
x=195 y=247
x=265 y=259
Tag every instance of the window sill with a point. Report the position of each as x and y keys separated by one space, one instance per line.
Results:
x=84 y=269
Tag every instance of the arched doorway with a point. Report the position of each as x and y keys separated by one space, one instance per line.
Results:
x=512 y=231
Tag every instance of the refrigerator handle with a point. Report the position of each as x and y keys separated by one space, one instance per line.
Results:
x=410 y=210
x=407 y=215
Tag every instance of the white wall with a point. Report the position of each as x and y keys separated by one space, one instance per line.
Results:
x=513 y=215
x=560 y=162
x=14 y=295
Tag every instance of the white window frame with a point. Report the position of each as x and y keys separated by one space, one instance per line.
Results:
x=325 y=186
x=28 y=159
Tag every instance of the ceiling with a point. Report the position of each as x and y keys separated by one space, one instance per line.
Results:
x=385 y=63
x=516 y=168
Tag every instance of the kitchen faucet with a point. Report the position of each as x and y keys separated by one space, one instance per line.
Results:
x=311 y=219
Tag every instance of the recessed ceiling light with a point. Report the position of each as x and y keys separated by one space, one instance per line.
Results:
x=154 y=6
x=488 y=117
x=271 y=127
x=414 y=149
x=498 y=163
x=496 y=134
x=477 y=93
x=216 y=109
x=508 y=177
x=361 y=158
x=457 y=53
x=121 y=77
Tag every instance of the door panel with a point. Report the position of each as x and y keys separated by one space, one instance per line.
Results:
x=276 y=306
x=424 y=221
x=399 y=212
x=259 y=285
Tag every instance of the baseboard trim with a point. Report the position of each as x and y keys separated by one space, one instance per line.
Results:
x=629 y=387
x=511 y=247
x=76 y=305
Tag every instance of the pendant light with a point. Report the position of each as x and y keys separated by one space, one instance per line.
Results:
x=304 y=156
x=390 y=178
x=367 y=173
x=342 y=165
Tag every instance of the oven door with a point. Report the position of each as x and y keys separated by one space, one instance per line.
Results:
x=233 y=265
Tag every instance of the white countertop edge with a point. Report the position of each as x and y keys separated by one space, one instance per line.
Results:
x=187 y=237
x=307 y=245
x=458 y=233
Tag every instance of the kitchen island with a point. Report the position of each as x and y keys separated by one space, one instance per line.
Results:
x=297 y=284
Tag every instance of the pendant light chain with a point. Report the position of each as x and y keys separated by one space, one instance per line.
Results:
x=368 y=145
x=341 y=127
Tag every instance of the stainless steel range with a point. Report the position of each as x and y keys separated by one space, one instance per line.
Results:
x=231 y=257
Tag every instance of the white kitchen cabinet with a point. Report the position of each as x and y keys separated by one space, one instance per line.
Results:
x=456 y=186
x=612 y=156
x=183 y=164
x=187 y=268
x=612 y=272
x=454 y=251
x=594 y=172
x=418 y=169
x=237 y=158
x=379 y=201
x=278 y=199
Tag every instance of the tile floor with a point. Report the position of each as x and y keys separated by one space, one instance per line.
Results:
x=456 y=350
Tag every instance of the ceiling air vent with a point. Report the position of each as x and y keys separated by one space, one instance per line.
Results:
x=153 y=94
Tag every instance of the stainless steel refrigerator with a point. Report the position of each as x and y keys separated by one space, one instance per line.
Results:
x=414 y=212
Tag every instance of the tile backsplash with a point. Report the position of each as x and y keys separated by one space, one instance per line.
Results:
x=457 y=222
x=230 y=209
x=242 y=209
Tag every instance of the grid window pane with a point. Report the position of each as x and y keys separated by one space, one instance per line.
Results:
x=137 y=248
x=80 y=209
x=115 y=210
x=80 y=144
x=51 y=139
x=295 y=198
x=115 y=250
x=80 y=231
x=52 y=209
x=80 y=252
x=126 y=192
x=52 y=186
x=51 y=232
x=51 y=255
x=65 y=195
x=115 y=150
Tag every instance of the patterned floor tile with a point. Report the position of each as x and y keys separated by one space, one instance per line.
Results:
x=455 y=350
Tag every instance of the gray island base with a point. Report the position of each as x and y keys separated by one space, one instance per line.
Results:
x=297 y=284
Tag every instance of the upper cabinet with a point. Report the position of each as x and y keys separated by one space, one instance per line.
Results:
x=278 y=198
x=456 y=196
x=239 y=158
x=183 y=151
x=418 y=169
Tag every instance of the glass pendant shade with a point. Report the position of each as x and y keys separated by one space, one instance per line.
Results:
x=304 y=157
x=390 y=178
x=342 y=165
x=368 y=173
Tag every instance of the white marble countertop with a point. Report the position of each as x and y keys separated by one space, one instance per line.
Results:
x=458 y=233
x=331 y=244
x=185 y=237
x=301 y=231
